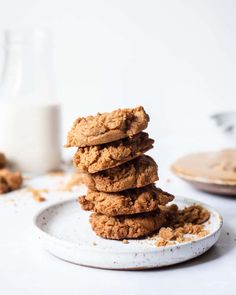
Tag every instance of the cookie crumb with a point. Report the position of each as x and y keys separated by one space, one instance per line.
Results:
x=39 y=198
x=37 y=194
x=166 y=233
x=58 y=172
x=125 y=241
x=75 y=180
x=203 y=233
x=182 y=225
x=94 y=244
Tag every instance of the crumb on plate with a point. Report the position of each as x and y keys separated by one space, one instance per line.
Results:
x=182 y=225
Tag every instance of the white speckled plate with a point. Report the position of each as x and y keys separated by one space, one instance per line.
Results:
x=66 y=233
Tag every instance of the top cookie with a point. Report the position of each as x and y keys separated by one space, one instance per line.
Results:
x=107 y=127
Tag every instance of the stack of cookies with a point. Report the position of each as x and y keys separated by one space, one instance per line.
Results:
x=120 y=178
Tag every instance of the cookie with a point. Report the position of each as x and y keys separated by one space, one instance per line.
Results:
x=9 y=180
x=3 y=186
x=107 y=127
x=126 y=227
x=101 y=157
x=127 y=202
x=136 y=173
x=2 y=160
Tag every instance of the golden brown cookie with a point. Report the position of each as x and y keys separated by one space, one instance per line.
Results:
x=101 y=157
x=3 y=186
x=2 y=160
x=9 y=180
x=133 y=174
x=145 y=199
x=107 y=127
x=126 y=227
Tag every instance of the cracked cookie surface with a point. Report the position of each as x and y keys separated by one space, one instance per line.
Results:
x=126 y=227
x=127 y=202
x=133 y=174
x=107 y=127
x=101 y=157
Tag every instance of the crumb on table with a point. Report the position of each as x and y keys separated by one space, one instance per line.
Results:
x=125 y=241
x=37 y=194
x=76 y=179
x=56 y=173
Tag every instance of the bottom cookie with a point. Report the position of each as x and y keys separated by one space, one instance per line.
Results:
x=126 y=227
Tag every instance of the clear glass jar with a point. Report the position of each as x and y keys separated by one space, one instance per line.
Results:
x=29 y=111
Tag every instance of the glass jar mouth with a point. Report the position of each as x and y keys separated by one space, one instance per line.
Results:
x=27 y=69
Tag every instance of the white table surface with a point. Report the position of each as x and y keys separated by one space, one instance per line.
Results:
x=25 y=268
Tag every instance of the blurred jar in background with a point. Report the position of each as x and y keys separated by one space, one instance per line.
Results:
x=29 y=112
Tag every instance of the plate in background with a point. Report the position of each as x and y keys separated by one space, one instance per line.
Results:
x=65 y=232
x=213 y=172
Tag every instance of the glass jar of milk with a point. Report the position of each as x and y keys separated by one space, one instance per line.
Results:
x=29 y=113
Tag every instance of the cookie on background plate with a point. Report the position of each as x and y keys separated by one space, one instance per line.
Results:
x=107 y=127
x=101 y=157
x=126 y=227
x=133 y=174
x=133 y=201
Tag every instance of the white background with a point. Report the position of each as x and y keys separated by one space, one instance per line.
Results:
x=178 y=59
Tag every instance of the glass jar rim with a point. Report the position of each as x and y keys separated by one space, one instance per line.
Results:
x=24 y=37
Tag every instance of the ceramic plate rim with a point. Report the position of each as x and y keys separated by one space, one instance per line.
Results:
x=95 y=249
